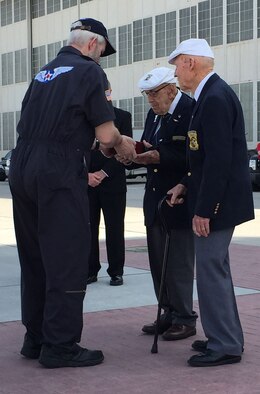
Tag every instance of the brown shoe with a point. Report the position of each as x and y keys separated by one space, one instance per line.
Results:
x=177 y=331
x=150 y=328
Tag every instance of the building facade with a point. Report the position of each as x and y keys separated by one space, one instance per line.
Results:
x=144 y=33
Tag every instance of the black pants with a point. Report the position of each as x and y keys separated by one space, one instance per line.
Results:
x=51 y=220
x=113 y=207
x=178 y=296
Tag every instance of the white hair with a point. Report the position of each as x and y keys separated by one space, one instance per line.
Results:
x=81 y=37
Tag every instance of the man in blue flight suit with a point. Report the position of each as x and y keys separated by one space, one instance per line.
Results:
x=164 y=138
x=64 y=109
x=219 y=195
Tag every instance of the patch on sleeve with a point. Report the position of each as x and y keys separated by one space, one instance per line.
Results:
x=48 y=75
x=108 y=95
x=178 y=138
x=193 y=140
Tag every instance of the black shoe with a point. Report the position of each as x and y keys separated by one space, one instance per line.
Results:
x=200 y=346
x=211 y=358
x=30 y=348
x=163 y=326
x=178 y=331
x=91 y=279
x=69 y=356
x=116 y=280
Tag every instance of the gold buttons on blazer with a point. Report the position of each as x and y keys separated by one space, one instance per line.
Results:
x=155 y=170
x=189 y=174
x=153 y=189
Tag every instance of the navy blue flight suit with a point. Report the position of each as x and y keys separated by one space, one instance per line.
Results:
x=48 y=179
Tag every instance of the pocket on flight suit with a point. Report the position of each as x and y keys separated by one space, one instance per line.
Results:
x=59 y=172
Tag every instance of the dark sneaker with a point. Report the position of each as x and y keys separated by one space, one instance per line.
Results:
x=69 y=356
x=30 y=348
x=116 y=280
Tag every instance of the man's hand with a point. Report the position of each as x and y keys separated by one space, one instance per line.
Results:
x=200 y=226
x=94 y=178
x=126 y=148
x=176 y=195
x=149 y=157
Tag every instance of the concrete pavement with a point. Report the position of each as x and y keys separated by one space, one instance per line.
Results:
x=113 y=318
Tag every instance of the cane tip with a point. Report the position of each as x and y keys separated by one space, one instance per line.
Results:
x=154 y=348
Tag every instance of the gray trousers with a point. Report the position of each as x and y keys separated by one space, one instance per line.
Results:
x=217 y=302
x=177 y=300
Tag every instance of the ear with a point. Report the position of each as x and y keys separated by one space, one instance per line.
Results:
x=92 y=42
x=192 y=63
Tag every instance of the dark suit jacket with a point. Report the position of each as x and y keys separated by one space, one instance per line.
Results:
x=172 y=167
x=116 y=180
x=219 y=186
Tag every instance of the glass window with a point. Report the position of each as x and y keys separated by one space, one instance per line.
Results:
x=216 y=22
x=188 y=24
x=6 y=12
x=142 y=39
x=38 y=8
x=19 y=10
x=110 y=61
x=165 y=34
x=20 y=60
x=258 y=111
x=125 y=44
x=126 y=104
x=8 y=130
x=246 y=19
x=7 y=69
x=53 y=49
x=204 y=20
x=68 y=3
x=53 y=6
x=38 y=59
x=246 y=98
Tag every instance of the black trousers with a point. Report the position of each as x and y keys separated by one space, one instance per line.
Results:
x=113 y=207
x=51 y=221
x=178 y=296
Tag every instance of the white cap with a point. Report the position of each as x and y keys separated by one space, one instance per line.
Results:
x=193 y=46
x=156 y=77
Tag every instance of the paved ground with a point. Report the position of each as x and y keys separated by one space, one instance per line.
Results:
x=113 y=318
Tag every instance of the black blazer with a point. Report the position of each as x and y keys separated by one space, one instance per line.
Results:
x=173 y=165
x=116 y=180
x=219 y=187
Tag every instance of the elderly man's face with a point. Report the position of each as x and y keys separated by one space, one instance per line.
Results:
x=161 y=98
x=184 y=72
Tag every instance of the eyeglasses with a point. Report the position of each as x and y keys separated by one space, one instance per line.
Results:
x=153 y=93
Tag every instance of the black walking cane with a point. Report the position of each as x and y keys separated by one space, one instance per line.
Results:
x=164 y=267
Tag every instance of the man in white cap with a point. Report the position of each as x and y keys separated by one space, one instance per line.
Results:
x=164 y=140
x=219 y=196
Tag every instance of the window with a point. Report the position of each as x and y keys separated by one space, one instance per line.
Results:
x=53 y=49
x=110 y=61
x=210 y=19
x=6 y=12
x=244 y=91
x=188 y=24
x=38 y=59
x=142 y=39
x=7 y=69
x=126 y=104
x=38 y=8
x=165 y=34
x=8 y=130
x=239 y=20
x=141 y=107
x=53 y=6
x=258 y=18
x=258 y=111
x=69 y=3
x=20 y=61
x=19 y=10
x=125 y=44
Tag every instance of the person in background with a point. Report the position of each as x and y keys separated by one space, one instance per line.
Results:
x=164 y=140
x=64 y=109
x=107 y=193
x=219 y=194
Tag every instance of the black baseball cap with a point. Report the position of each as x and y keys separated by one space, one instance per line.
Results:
x=96 y=27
